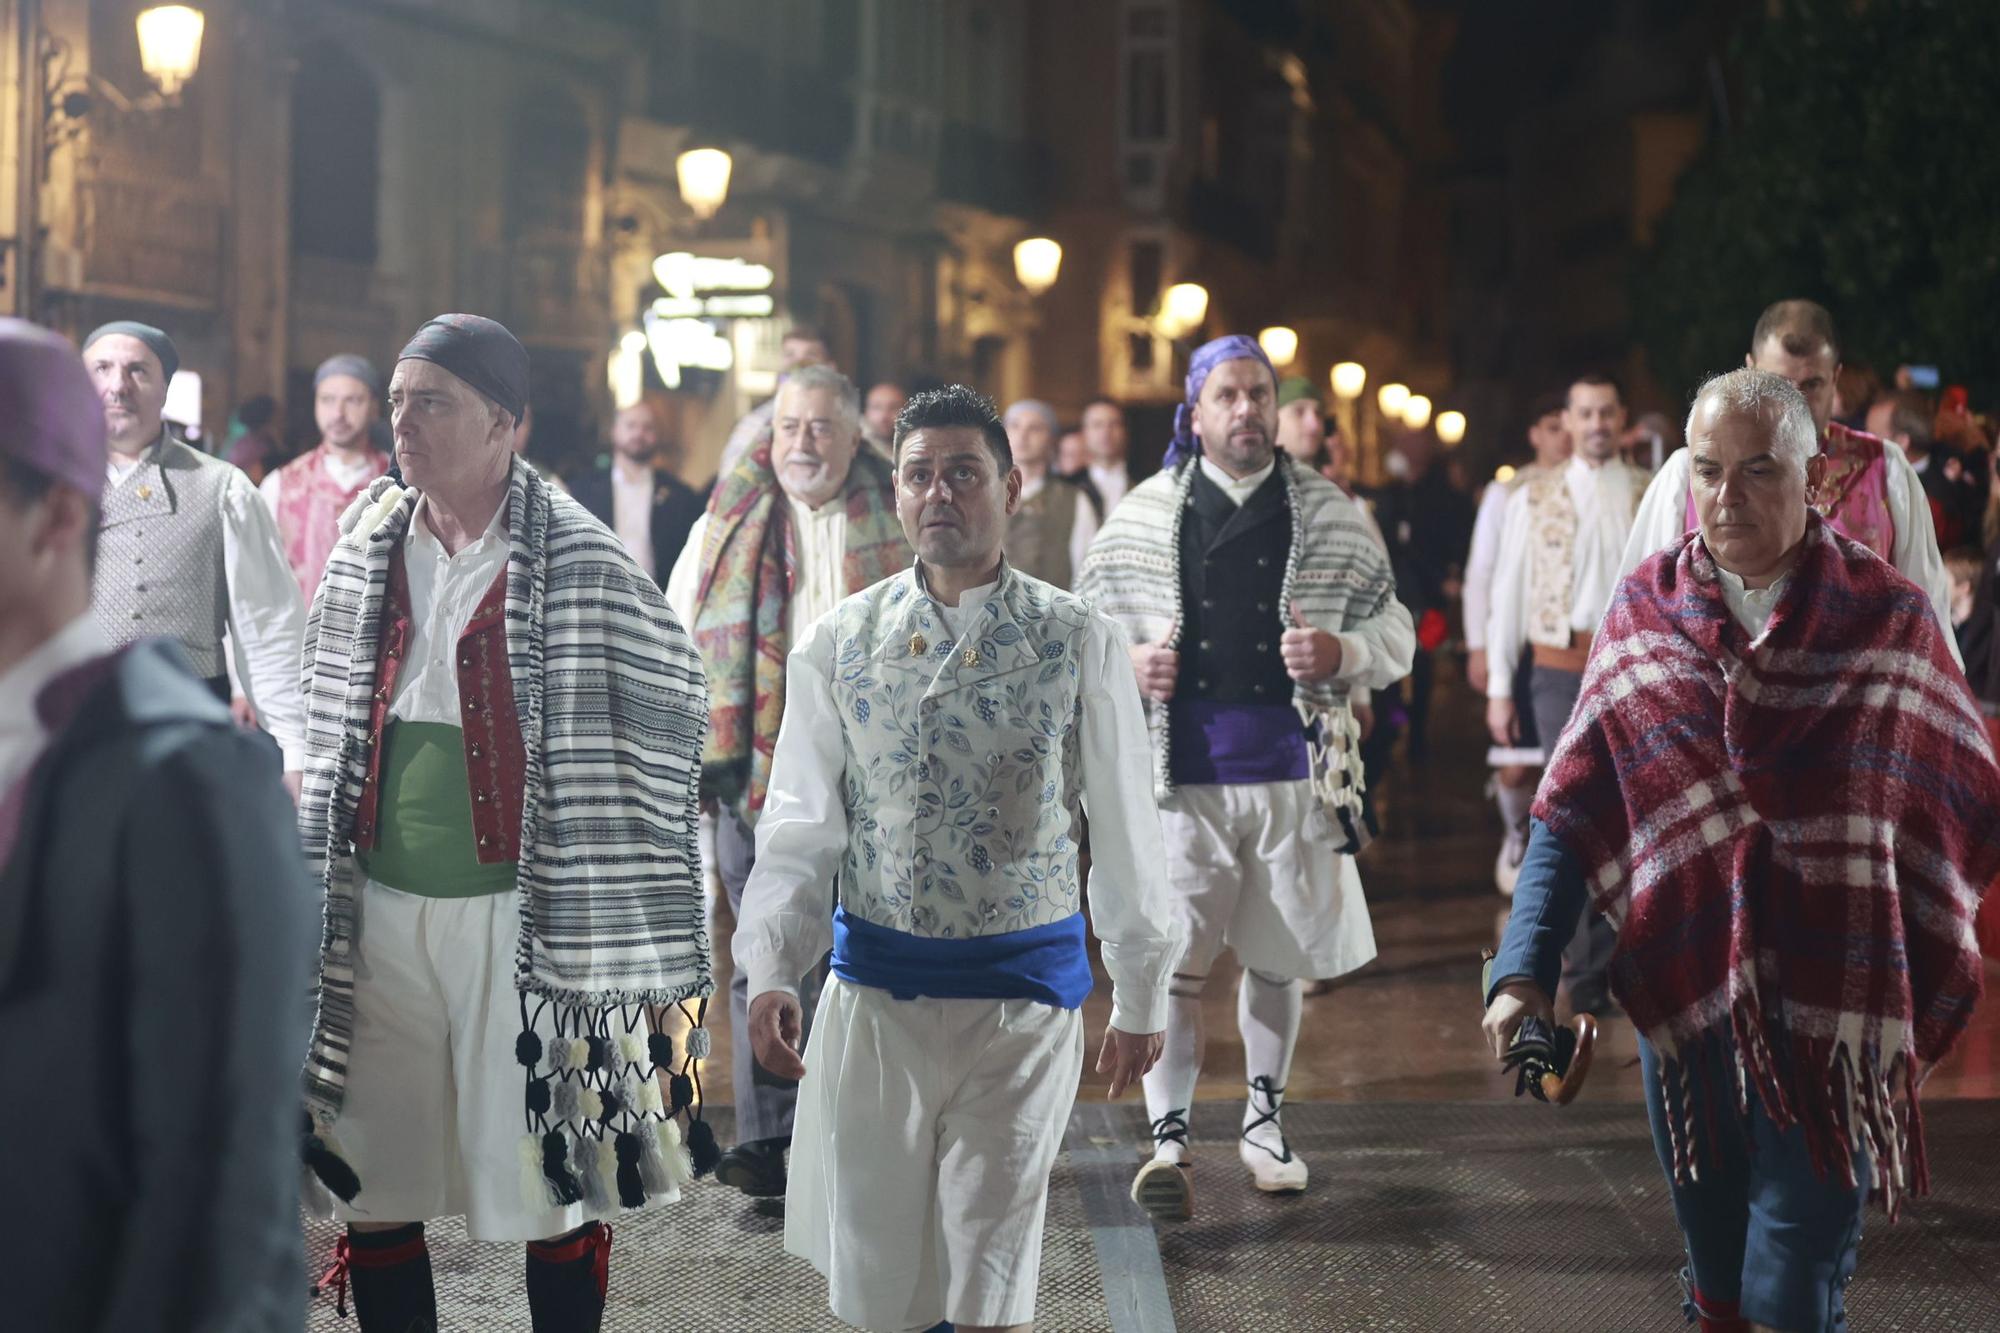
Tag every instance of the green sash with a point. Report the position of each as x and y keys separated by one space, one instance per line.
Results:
x=426 y=844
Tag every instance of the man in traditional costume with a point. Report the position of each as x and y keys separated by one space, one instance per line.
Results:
x=1867 y=490
x=505 y=726
x=1560 y=543
x=1776 y=787
x=806 y=519
x=186 y=547
x=1051 y=529
x=309 y=494
x=1257 y=597
x=943 y=732
x=1515 y=766
x=154 y=922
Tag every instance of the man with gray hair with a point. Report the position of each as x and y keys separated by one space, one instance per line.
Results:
x=1777 y=788
x=806 y=518
x=1867 y=488
x=1048 y=535
x=503 y=736
x=309 y=494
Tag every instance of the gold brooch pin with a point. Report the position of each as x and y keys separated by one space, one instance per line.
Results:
x=145 y=492
x=917 y=645
x=971 y=657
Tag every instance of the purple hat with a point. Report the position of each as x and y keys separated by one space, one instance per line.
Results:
x=1231 y=347
x=55 y=422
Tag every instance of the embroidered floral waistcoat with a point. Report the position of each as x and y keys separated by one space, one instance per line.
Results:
x=1552 y=521
x=962 y=782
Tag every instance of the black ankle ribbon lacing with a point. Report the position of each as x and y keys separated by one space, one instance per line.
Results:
x=1171 y=1128
x=1273 y=1096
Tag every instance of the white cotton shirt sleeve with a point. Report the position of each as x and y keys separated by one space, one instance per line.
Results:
x=1479 y=563
x=1915 y=552
x=785 y=925
x=271 y=489
x=684 y=583
x=1507 y=620
x=1661 y=518
x=1082 y=533
x=1127 y=895
x=267 y=616
x=1377 y=652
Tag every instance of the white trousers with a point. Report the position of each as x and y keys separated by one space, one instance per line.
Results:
x=1252 y=868
x=435 y=1104
x=925 y=1134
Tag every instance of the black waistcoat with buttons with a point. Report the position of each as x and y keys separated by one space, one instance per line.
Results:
x=1232 y=572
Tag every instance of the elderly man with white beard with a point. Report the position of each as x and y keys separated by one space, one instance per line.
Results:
x=806 y=518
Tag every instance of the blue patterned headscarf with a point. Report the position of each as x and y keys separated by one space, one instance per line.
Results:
x=1233 y=347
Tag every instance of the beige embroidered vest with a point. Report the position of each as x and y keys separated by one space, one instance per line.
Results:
x=1552 y=522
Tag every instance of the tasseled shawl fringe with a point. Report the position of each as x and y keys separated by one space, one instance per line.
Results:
x=596 y=1129
x=1857 y=1104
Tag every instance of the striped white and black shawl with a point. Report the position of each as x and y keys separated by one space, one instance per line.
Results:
x=1336 y=574
x=613 y=708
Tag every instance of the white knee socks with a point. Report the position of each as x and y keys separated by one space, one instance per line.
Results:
x=1267 y=1012
x=1170 y=1084
x=1514 y=803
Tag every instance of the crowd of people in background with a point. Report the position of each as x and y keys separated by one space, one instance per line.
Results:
x=1076 y=470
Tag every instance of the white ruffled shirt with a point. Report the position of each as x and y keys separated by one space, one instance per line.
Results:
x=1604 y=512
x=444 y=592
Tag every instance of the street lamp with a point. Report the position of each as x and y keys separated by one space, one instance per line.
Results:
x=1280 y=343
x=1037 y=260
x=170 y=45
x=1182 y=309
x=704 y=179
x=1416 y=411
x=1451 y=427
x=1391 y=397
x=1349 y=378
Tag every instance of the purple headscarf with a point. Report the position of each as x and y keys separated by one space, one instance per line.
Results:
x=1232 y=347
x=55 y=423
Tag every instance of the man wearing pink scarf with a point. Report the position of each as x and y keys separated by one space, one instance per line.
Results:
x=310 y=493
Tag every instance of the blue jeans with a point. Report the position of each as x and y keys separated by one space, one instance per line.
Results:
x=1762 y=1228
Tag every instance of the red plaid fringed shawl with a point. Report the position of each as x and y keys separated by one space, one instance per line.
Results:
x=1791 y=837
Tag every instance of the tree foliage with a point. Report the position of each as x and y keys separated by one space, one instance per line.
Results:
x=1861 y=168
